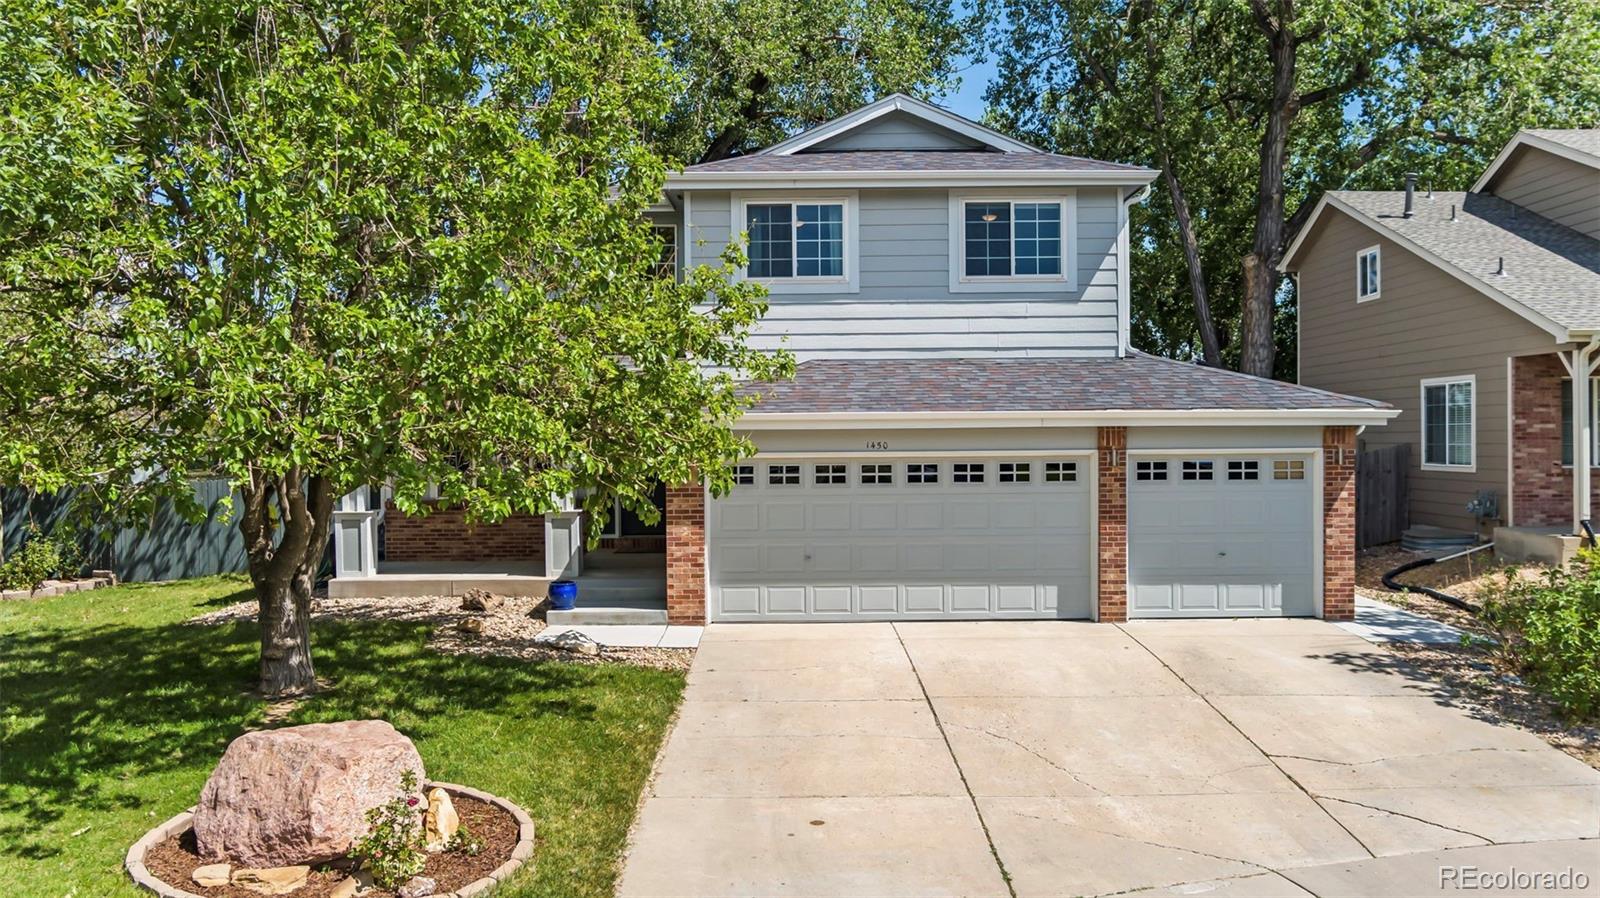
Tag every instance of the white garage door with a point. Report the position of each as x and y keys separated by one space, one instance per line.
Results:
x=886 y=538
x=1221 y=536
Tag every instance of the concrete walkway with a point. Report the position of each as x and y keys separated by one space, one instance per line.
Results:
x=1240 y=758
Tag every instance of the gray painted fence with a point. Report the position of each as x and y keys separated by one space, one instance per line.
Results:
x=166 y=547
x=1382 y=502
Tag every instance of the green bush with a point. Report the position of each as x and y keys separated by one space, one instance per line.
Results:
x=1549 y=628
x=38 y=560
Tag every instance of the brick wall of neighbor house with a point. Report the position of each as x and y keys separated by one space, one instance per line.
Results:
x=686 y=553
x=1339 y=523
x=1113 y=514
x=444 y=535
x=1541 y=484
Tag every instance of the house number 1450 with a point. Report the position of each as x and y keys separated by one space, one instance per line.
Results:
x=877 y=444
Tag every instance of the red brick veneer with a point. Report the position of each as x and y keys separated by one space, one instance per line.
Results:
x=686 y=553
x=445 y=535
x=1541 y=485
x=1339 y=523
x=1112 y=540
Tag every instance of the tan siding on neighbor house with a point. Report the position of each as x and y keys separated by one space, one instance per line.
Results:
x=1424 y=324
x=1557 y=188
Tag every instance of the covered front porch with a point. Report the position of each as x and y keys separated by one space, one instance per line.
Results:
x=1553 y=453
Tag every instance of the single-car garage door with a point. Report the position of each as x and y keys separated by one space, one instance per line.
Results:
x=1221 y=536
x=908 y=538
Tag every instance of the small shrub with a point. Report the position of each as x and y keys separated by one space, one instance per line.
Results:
x=1549 y=628
x=465 y=841
x=38 y=560
x=392 y=848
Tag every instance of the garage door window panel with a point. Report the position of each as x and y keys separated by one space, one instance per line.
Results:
x=877 y=475
x=1244 y=470
x=1448 y=410
x=783 y=475
x=1197 y=470
x=1150 y=470
x=830 y=475
x=1014 y=472
x=920 y=473
x=744 y=475
x=967 y=472
x=1060 y=472
x=1288 y=469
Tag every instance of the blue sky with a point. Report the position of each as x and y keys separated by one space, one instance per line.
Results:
x=968 y=101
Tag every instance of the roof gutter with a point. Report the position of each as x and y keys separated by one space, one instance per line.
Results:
x=1080 y=417
x=831 y=179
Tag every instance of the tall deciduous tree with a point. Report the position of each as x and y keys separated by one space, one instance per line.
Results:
x=1252 y=108
x=755 y=71
x=312 y=246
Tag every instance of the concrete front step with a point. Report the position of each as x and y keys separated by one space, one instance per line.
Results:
x=610 y=613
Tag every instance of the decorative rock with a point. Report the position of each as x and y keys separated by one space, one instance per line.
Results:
x=346 y=888
x=441 y=822
x=473 y=625
x=417 y=887
x=272 y=880
x=211 y=875
x=571 y=641
x=480 y=600
x=299 y=795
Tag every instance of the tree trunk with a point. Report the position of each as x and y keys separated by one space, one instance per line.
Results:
x=283 y=571
x=1260 y=264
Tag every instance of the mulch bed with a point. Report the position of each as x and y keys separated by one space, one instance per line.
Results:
x=173 y=860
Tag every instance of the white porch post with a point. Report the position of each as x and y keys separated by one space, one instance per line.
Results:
x=355 y=536
x=1582 y=434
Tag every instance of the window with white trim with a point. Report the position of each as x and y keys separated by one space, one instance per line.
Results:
x=1447 y=413
x=1015 y=471
x=1197 y=470
x=744 y=475
x=1244 y=470
x=1060 y=472
x=796 y=240
x=1369 y=273
x=1288 y=469
x=1594 y=421
x=783 y=475
x=1150 y=470
x=831 y=475
x=922 y=472
x=966 y=472
x=667 y=263
x=877 y=475
x=1011 y=240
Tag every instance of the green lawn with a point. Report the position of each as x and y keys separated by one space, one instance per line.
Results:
x=115 y=711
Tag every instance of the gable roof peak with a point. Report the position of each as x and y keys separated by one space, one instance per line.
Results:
x=902 y=103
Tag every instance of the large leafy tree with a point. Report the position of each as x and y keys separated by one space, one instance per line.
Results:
x=1252 y=108
x=311 y=246
x=755 y=71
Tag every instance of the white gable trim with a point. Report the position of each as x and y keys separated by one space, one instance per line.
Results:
x=1522 y=139
x=898 y=103
x=1328 y=199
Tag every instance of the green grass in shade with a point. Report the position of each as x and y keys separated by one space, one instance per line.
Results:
x=115 y=711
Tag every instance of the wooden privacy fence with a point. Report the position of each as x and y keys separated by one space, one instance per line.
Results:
x=1381 y=498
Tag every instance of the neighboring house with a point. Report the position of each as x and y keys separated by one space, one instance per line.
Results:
x=969 y=434
x=1469 y=312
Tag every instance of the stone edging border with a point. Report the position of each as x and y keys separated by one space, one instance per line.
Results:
x=142 y=877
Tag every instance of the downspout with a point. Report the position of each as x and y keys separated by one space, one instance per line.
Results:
x=1125 y=270
x=1582 y=433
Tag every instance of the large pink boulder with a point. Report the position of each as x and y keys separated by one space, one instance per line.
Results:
x=299 y=795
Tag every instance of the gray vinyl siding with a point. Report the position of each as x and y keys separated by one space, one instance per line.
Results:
x=896 y=131
x=904 y=306
x=1555 y=187
x=1425 y=324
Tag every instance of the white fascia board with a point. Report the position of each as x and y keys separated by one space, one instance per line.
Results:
x=1094 y=417
x=1522 y=139
x=1560 y=333
x=839 y=179
x=898 y=103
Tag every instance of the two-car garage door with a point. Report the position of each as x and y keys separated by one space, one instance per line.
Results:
x=1009 y=537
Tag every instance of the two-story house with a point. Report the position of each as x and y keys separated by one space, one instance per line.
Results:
x=969 y=434
x=1469 y=311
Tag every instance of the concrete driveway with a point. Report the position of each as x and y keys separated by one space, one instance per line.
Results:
x=1234 y=758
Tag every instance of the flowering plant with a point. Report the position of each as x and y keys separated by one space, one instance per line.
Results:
x=392 y=848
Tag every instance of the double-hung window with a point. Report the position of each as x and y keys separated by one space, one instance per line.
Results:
x=1001 y=241
x=1369 y=274
x=1447 y=413
x=797 y=241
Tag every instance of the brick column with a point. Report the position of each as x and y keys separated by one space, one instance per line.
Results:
x=1339 y=523
x=686 y=553
x=1112 y=541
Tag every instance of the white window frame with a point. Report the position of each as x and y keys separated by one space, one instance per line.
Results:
x=849 y=282
x=656 y=227
x=1067 y=280
x=1376 y=252
x=1472 y=425
x=1594 y=415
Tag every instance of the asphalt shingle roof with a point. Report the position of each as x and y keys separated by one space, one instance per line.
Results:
x=1586 y=140
x=1551 y=269
x=910 y=160
x=1136 y=382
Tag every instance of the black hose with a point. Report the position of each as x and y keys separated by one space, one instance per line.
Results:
x=1390 y=582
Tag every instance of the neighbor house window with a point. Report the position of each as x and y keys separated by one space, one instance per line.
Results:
x=1447 y=405
x=1011 y=239
x=796 y=240
x=1369 y=274
x=1594 y=421
x=667 y=262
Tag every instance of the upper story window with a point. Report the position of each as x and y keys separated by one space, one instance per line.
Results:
x=1006 y=243
x=798 y=242
x=1447 y=413
x=667 y=263
x=1369 y=274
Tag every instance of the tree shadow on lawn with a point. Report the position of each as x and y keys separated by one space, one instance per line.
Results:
x=95 y=713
